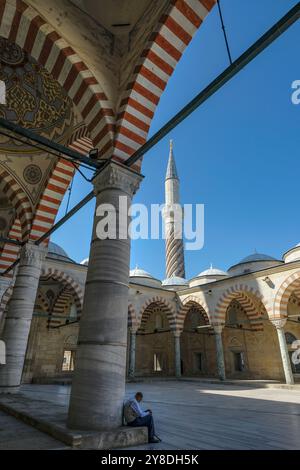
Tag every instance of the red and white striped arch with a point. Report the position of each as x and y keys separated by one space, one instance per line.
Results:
x=21 y=24
x=160 y=303
x=19 y=201
x=68 y=282
x=290 y=286
x=10 y=252
x=157 y=63
x=253 y=303
x=188 y=303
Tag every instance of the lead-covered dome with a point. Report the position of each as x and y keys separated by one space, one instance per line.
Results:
x=57 y=252
x=209 y=275
x=252 y=263
x=140 y=276
x=293 y=254
x=175 y=283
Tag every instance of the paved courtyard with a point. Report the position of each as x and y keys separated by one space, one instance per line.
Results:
x=190 y=415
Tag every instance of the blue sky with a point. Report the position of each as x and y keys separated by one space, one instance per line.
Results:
x=238 y=153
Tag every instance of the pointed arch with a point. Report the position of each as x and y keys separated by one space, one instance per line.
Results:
x=250 y=299
x=68 y=282
x=19 y=201
x=21 y=24
x=283 y=295
x=188 y=303
x=164 y=306
x=156 y=65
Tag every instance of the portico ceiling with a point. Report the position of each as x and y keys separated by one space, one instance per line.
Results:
x=117 y=16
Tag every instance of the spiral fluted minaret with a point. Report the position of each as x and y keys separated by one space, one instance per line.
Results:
x=174 y=245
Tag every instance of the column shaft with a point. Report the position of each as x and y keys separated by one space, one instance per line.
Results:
x=19 y=316
x=132 y=354
x=220 y=354
x=177 y=356
x=100 y=370
x=289 y=378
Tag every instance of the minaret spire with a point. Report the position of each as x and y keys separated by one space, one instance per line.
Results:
x=171 y=170
x=174 y=245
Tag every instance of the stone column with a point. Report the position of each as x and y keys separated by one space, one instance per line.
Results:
x=131 y=371
x=220 y=352
x=279 y=325
x=5 y=283
x=18 y=320
x=100 y=369
x=177 y=335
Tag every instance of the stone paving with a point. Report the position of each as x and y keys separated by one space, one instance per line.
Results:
x=199 y=415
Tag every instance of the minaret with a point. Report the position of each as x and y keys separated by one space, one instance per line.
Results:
x=174 y=247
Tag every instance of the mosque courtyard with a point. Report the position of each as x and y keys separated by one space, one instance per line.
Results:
x=188 y=414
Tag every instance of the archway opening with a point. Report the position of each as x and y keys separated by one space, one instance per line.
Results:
x=155 y=343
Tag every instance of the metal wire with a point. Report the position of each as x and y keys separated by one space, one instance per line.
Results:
x=224 y=32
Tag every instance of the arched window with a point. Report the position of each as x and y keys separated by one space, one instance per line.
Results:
x=158 y=321
x=73 y=312
x=290 y=338
x=232 y=317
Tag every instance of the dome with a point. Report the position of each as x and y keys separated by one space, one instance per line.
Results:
x=175 y=281
x=140 y=276
x=293 y=254
x=140 y=273
x=57 y=252
x=213 y=272
x=252 y=263
x=34 y=100
x=257 y=257
x=209 y=275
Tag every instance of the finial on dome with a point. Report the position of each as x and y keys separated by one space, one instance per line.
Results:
x=211 y=266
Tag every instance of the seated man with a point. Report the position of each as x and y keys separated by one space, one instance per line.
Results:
x=135 y=416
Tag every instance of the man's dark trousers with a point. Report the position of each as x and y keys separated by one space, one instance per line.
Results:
x=145 y=421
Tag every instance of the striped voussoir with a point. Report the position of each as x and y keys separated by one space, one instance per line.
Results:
x=290 y=286
x=48 y=206
x=42 y=302
x=58 y=184
x=19 y=201
x=68 y=283
x=66 y=297
x=156 y=64
x=21 y=24
x=250 y=299
x=187 y=304
x=80 y=141
x=10 y=253
x=174 y=257
x=164 y=307
x=132 y=318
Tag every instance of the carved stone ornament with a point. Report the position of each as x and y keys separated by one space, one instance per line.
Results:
x=279 y=323
x=32 y=255
x=115 y=176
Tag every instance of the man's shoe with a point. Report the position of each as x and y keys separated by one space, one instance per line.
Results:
x=154 y=440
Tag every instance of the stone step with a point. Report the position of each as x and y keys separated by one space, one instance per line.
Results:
x=50 y=418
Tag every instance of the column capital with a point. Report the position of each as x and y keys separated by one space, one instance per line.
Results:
x=115 y=175
x=218 y=328
x=32 y=255
x=177 y=333
x=132 y=330
x=279 y=323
